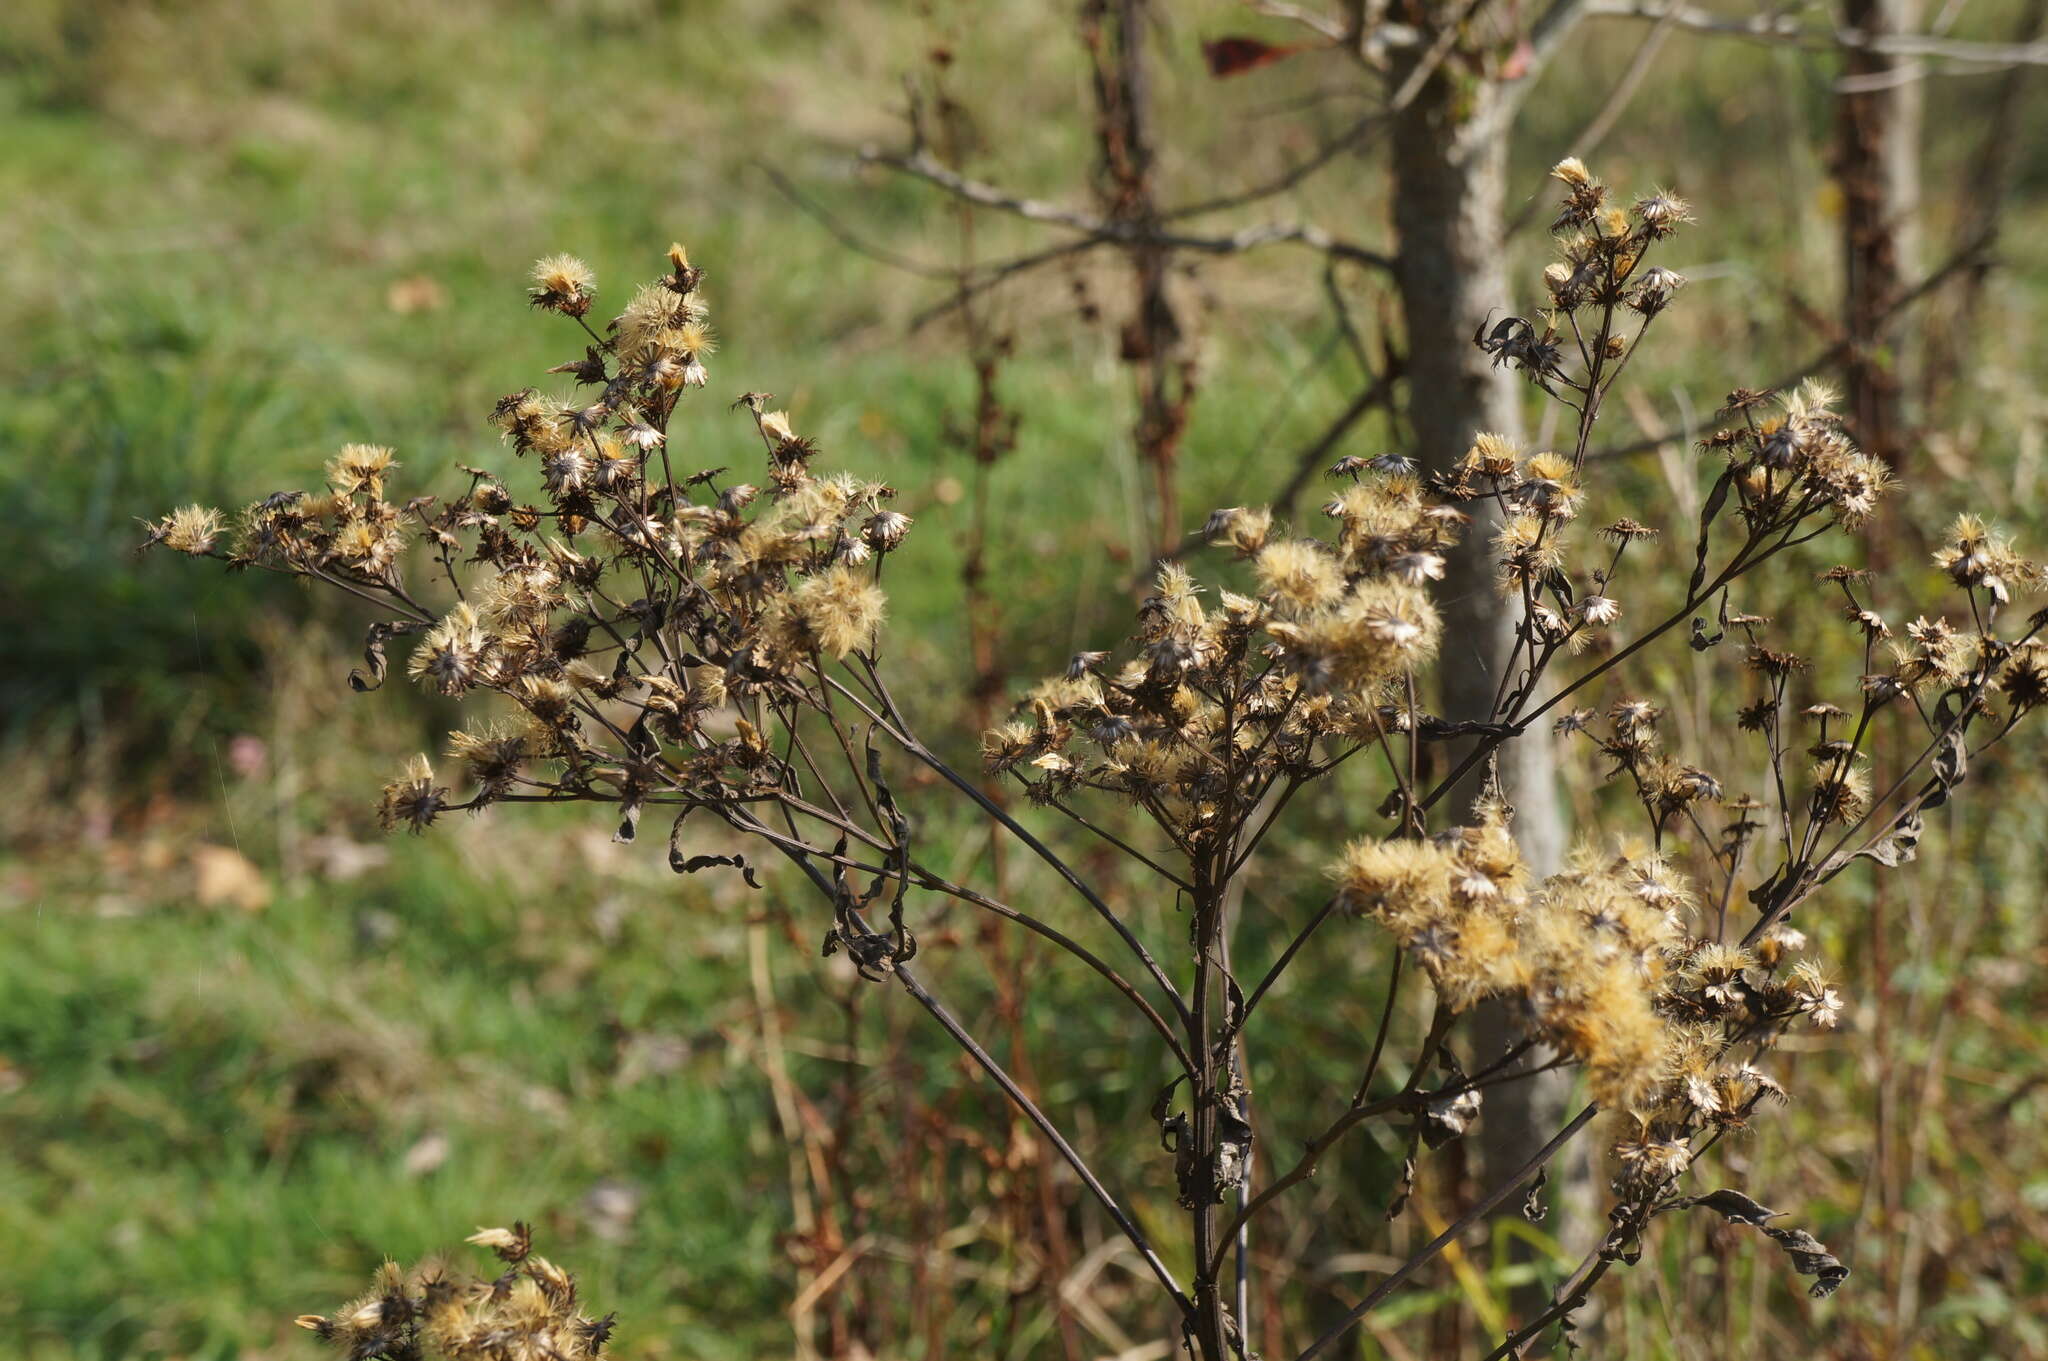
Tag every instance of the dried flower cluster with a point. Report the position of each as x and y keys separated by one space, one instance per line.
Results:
x=529 y=1312
x=1214 y=705
x=625 y=609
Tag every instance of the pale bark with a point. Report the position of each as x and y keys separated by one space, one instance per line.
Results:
x=1450 y=172
x=1449 y=185
x=1951 y=347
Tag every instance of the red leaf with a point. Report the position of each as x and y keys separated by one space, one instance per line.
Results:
x=1518 y=62
x=1237 y=55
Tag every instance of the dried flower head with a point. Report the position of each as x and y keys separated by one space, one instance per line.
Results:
x=427 y=1314
x=413 y=799
x=193 y=530
x=563 y=283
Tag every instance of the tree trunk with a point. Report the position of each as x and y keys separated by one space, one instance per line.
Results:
x=1878 y=169
x=1449 y=185
x=1152 y=342
x=1450 y=170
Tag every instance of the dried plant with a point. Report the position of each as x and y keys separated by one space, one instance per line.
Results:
x=655 y=638
x=530 y=1310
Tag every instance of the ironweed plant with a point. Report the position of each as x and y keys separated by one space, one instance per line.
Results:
x=667 y=640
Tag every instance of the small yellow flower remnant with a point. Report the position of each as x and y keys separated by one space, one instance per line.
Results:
x=1381 y=629
x=1778 y=942
x=1841 y=791
x=775 y=427
x=1583 y=198
x=369 y=546
x=453 y=656
x=1651 y=1154
x=360 y=468
x=511 y=1245
x=1572 y=171
x=1003 y=747
x=493 y=755
x=885 y=530
x=563 y=283
x=1240 y=530
x=839 y=610
x=2024 y=679
x=1298 y=573
x=1816 y=999
x=193 y=530
x=662 y=337
x=1599 y=610
x=1493 y=456
x=412 y=799
x=549 y=700
x=533 y=1310
x=1978 y=560
x=1662 y=212
x=1935 y=654
x=1405 y=883
x=692 y=338
x=1730 y=1094
x=1715 y=974
x=1530 y=550
x=1548 y=488
x=1653 y=290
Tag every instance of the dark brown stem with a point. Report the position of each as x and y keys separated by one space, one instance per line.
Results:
x=1002 y=1079
x=1480 y=1210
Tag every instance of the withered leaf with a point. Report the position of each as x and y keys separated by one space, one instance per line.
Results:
x=681 y=864
x=1899 y=845
x=1809 y=1257
x=676 y=859
x=1444 y=1118
x=373 y=654
x=1406 y=1186
x=1701 y=639
x=738 y=862
x=1233 y=1143
x=1952 y=762
x=1734 y=1205
x=1533 y=1208
x=1235 y=55
x=1717 y=498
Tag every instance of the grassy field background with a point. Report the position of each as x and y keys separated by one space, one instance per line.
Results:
x=246 y=1045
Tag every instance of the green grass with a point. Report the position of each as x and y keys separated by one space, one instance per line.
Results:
x=204 y=210
x=219 y=1108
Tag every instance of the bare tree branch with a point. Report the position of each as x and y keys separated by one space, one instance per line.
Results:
x=1780 y=28
x=923 y=166
x=1320 y=24
x=844 y=235
x=1349 y=139
x=1310 y=458
x=1548 y=34
x=1589 y=137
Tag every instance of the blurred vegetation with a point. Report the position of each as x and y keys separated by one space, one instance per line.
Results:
x=245 y=1046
